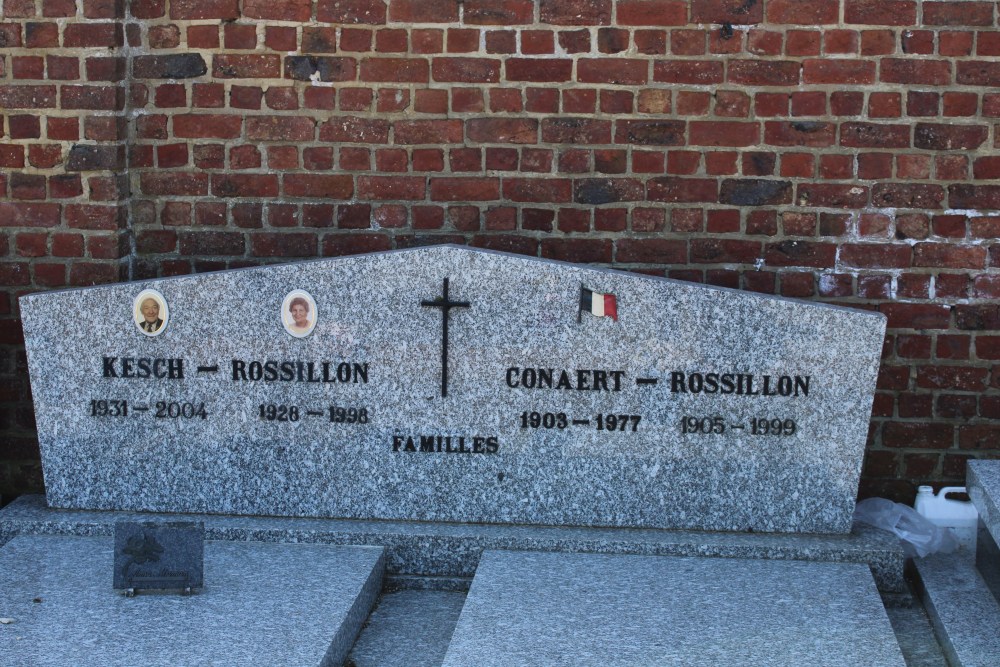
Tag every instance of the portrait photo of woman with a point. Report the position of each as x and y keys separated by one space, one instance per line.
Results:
x=298 y=313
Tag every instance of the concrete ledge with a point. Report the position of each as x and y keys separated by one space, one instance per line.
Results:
x=453 y=550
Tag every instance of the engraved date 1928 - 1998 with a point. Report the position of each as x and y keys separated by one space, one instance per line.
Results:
x=717 y=425
x=336 y=414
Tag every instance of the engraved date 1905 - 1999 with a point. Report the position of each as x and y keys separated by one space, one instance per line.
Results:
x=717 y=425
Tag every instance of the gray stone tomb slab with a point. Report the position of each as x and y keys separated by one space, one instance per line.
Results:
x=588 y=609
x=451 y=384
x=262 y=605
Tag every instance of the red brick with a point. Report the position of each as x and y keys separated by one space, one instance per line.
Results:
x=652 y=12
x=278 y=10
x=764 y=72
x=392 y=187
x=92 y=34
x=575 y=12
x=838 y=71
x=802 y=12
x=423 y=11
x=245 y=185
x=875 y=255
x=198 y=126
x=799 y=133
x=958 y=13
x=722 y=133
x=881 y=12
x=919 y=72
x=193 y=10
x=351 y=11
x=697 y=72
x=539 y=69
x=949 y=137
x=874 y=135
x=491 y=12
x=943 y=255
x=326 y=186
x=465 y=189
x=466 y=70
x=246 y=66
x=405 y=70
x=687 y=190
x=280 y=128
x=547 y=190
x=907 y=195
x=624 y=71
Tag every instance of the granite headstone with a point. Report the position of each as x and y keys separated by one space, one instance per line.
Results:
x=451 y=384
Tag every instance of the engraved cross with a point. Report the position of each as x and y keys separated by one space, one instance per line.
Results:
x=445 y=304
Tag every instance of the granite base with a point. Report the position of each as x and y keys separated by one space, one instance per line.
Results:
x=445 y=551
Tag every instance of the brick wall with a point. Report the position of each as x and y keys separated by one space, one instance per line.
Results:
x=841 y=151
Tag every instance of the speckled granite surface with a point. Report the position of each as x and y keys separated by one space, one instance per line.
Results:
x=587 y=609
x=262 y=605
x=453 y=550
x=227 y=440
x=965 y=614
x=983 y=483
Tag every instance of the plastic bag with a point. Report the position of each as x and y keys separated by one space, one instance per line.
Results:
x=920 y=537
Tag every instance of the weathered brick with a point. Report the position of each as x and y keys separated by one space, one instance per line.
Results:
x=27 y=97
x=174 y=66
x=502 y=130
x=466 y=70
x=814 y=134
x=246 y=66
x=800 y=253
x=874 y=135
x=682 y=190
x=597 y=191
x=351 y=11
x=280 y=128
x=650 y=132
x=723 y=133
x=948 y=137
x=919 y=72
x=978 y=73
x=831 y=195
x=423 y=11
x=90 y=157
x=392 y=187
x=755 y=192
x=195 y=10
x=245 y=185
x=575 y=12
x=491 y=12
x=351 y=129
x=328 y=68
x=696 y=72
x=325 y=186
x=838 y=71
x=881 y=12
x=278 y=10
x=550 y=190
x=579 y=130
x=465 y=189
x=764 y=72
x=908 y=195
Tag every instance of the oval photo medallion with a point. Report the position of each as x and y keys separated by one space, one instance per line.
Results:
x=150 y=312
x=298 y=313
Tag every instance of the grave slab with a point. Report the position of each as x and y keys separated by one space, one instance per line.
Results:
x=263 y=604
x=452 y=384
x=965 y=614
x=434 y=551
x=589 y=609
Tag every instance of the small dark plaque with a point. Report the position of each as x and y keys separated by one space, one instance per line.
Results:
x=159 y=557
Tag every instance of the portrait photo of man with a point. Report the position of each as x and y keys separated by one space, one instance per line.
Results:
x=150 y=312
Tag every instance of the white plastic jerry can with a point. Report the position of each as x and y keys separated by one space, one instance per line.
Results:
x=959 y=515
